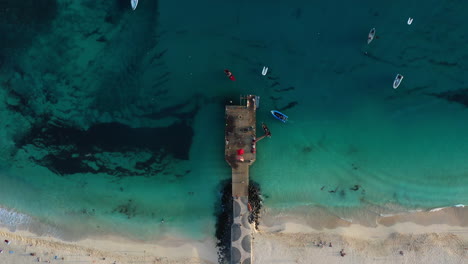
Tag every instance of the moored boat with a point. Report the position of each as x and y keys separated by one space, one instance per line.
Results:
x=280 y=116
x=371 y=35
x=410 y=21
x=397 y=81
x=134 y=4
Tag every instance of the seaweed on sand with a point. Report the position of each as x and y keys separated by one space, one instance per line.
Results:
x=224 y=222
x=255 y=200
x=224 y=215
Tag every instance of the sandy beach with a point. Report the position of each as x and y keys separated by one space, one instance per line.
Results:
x=424 y=237
x=26 y=247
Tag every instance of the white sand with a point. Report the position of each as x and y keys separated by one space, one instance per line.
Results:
x=107 y=250
x=289 y=241
x=420 y=240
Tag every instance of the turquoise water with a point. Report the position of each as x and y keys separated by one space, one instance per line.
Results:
x=113 y=119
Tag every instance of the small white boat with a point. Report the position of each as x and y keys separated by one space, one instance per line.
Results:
x=264 y=71
x=371 y=35
x=397 y=81
x=134 y=4
x=410 y=20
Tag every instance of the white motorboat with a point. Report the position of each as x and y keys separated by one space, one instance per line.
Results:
x=371 y=35
x=134 y=4
x=410 y=20
x=397 y=81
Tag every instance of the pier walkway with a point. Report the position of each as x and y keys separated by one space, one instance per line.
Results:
x=240 y=153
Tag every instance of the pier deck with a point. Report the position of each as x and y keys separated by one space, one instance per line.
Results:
x=240 y=136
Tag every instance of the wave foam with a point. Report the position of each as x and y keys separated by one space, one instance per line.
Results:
x=12 y=219
x=441 y=208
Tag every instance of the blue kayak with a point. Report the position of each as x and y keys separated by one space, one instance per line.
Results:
x=280 y=116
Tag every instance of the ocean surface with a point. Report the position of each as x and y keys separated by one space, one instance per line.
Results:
x=113 y=119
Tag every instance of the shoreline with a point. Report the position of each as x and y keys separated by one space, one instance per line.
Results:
x=443 y=234
x=415 y=237
x=103 y=250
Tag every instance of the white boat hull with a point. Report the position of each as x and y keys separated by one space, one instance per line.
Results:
x=397 y=81
x=371 y=36
x=134 y=4
x=410 y=21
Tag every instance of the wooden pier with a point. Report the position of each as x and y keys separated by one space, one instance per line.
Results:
x=240 y=153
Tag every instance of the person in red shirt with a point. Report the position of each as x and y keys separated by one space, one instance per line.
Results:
x=229 y=75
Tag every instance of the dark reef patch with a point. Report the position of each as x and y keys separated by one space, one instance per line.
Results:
x=274 y=84
x=407 y=92
x=285 y=89
x=444 y=63
x=456 y=96
x=185 y=110
x=128 y=209
x=297 y=13
x=288 y=106
x=71 y=150
x=21 y=21
x=307 y=149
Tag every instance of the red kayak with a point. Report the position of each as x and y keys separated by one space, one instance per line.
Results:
x=229 y=75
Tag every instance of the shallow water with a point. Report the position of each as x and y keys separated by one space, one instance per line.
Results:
x=113 y=119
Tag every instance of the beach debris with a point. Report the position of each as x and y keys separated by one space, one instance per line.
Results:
x=265 y=70
x=410 y=20
x=7 y=242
